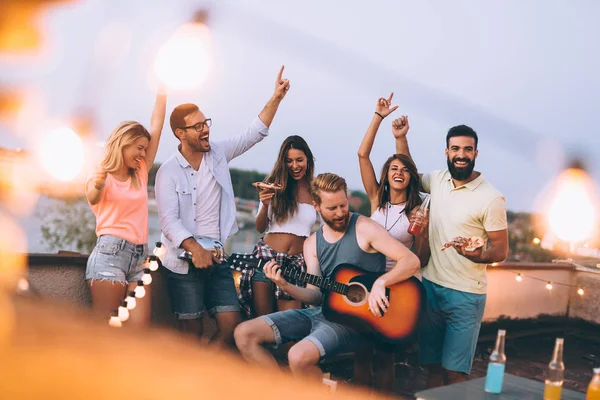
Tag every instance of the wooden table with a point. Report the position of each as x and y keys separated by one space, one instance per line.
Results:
x=514 y=388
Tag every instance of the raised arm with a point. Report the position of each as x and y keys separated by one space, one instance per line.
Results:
x=399 y=130
x=281 y=87
x=259 y=128
x=156 y=124
x=310 y=294
x=367 y=172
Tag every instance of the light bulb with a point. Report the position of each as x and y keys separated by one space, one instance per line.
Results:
x=580 y=291
x=147 y=278
x=153 y=264
x=114 y=320
x=519 y=277
x=131 y=303
x=139 y=290
x=160 y=250
x=123 y=312
x=549 y=285
x=22 y=285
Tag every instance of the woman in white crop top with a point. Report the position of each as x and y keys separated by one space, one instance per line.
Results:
x=394 y=201
x=287 y=216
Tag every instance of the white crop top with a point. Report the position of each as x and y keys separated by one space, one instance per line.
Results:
x=299 y=224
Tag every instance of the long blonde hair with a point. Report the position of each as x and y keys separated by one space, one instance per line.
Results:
x=124 y=135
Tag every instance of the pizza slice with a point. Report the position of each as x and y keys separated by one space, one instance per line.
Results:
x=268 y=186
x=470 y=244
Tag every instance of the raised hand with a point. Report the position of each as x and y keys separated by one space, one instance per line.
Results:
x=384 y=106
x=400 y=126
x=281 y=85
x=100 y=178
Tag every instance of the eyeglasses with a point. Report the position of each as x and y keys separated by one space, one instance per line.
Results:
x=199 y=127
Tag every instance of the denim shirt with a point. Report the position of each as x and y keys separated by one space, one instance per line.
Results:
x=176 y=193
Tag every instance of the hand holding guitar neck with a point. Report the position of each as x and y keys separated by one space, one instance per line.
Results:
x=273 y=271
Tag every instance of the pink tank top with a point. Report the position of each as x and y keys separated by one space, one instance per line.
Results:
x=123 y=210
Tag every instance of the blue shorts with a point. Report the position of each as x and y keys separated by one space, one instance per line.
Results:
x=309 y=323
x=450 y=328
x=212 y=288
x=116 y=259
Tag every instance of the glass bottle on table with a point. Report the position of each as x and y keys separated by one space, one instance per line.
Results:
x=556 y=373
x=495 y=370
x=414 y=228
x=593 y=390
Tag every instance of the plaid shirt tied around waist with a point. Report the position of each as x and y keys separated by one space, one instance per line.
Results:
x=265 y=252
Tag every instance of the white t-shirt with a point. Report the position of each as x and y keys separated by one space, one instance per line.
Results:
x=208 y=203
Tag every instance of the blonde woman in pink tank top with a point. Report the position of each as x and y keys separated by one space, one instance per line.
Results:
x=118 y=195
x=394 y=200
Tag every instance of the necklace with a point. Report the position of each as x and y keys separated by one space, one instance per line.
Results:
x=387 y=211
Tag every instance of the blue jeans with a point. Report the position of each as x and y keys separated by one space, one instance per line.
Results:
x=212 y=288
x=116 y=259
x=449 y=331
x=329 y=337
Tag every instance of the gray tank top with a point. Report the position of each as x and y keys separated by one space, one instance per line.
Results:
x=346 y=251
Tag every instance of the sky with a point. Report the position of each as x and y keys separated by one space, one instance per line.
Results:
x=524 y=75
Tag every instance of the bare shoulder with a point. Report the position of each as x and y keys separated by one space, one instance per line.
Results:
x=366 y=224
x=310 y=244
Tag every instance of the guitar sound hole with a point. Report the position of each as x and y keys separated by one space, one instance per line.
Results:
x=356 y=294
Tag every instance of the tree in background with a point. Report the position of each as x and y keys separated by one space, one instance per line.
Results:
x=68 y=225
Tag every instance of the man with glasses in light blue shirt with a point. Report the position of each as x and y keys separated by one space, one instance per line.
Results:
x=195 y=198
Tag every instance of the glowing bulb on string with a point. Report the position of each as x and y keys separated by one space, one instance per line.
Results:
x=147 y=278
x=61 y=153
x=536 y=241
x=572 y=213
x=114 y=320
x=131 y=303
x=153 y=263
x=191 y=42
x=549 y=285
x=580 y=291
x=22 y=285
x=139 y=290
x=123 y=312
x=160 y=250
x=519 y=277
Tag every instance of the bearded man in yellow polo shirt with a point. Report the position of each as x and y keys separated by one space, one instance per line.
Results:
x=462 y=204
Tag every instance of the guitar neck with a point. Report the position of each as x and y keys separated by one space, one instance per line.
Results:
x=296 y=274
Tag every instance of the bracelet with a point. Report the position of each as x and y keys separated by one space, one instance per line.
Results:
x=99 y=188
x=382 y=117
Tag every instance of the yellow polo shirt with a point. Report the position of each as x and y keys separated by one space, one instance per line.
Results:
x=469 y=210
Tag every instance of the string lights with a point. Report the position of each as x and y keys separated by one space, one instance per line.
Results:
x=549 y=284
x=128 y=304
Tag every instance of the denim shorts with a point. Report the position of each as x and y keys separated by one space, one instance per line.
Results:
x=329 y=337
x=116 y=259
x=212 y=288
x=450 y=328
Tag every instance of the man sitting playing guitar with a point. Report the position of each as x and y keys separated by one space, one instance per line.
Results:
x=346 y=238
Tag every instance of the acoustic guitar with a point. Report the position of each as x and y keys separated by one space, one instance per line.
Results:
x=346 y=299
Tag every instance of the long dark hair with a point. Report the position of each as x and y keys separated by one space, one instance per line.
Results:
x=413 y=198
x=284 y=203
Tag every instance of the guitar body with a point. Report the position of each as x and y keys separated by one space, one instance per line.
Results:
x=397 y=326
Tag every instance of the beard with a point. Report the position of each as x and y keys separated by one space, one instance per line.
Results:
x=337 y=225
x=460 y=173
